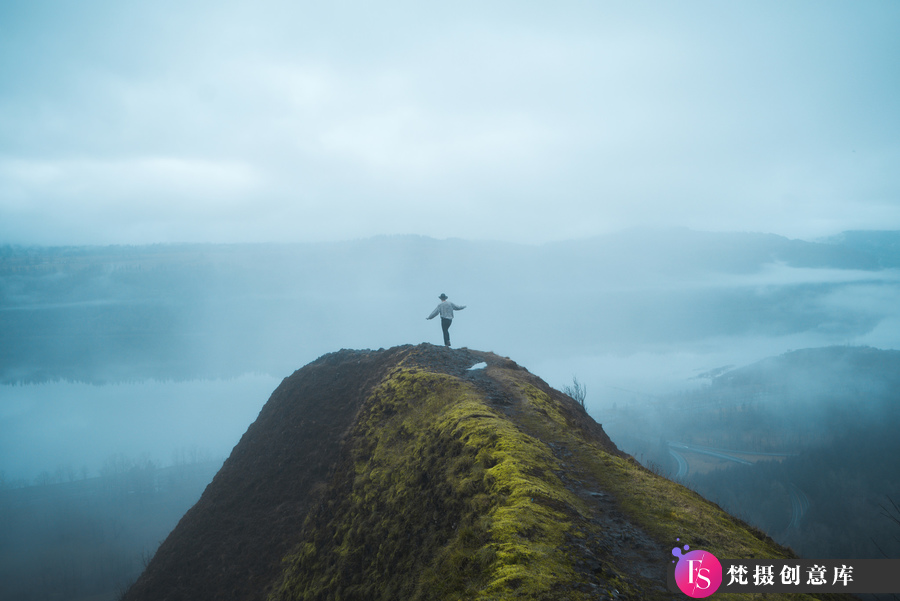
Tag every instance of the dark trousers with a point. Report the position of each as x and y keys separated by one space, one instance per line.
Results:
x=445 y=325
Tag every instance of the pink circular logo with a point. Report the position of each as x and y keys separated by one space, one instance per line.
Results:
x=698 y=573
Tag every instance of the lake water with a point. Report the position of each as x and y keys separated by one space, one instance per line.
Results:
x=69 y=429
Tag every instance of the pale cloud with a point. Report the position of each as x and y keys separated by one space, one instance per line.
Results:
x=122 y=196
x=413 y=145
x=552 y=123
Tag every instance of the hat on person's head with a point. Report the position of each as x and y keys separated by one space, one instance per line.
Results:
x=443 y=296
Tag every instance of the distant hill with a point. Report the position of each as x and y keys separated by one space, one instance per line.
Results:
x=825 y=376
x=818 y=424
x=884 y=246
x=404 y=474
x=118 y=313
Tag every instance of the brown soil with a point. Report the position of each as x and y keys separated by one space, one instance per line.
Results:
x=229 y=546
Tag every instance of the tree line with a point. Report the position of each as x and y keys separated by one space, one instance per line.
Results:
x=91 y=537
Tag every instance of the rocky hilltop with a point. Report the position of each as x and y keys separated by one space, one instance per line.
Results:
x=406 y=474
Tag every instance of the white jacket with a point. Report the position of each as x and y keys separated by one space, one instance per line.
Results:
x=446 y=309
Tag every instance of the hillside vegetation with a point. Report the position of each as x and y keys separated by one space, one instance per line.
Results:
x=827 y=417
x=403 y=474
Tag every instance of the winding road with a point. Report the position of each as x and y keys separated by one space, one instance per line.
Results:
x=799 y=505
x=799 y=500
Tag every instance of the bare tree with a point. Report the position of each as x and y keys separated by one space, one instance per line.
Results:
x=577 y=391
x=891 y=511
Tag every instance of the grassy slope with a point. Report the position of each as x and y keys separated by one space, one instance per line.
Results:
x=444 y=494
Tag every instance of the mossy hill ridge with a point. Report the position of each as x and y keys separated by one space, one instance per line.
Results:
x=403 y=474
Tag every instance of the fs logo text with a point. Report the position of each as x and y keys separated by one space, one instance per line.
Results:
x=698 y=573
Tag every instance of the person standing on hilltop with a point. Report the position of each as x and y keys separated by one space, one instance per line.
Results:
x=446 y=309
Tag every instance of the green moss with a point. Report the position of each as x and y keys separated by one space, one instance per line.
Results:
x=666 y=510
x=441 y=496
x=446 y=500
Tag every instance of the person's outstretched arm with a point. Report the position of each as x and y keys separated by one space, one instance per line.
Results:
x=434 y=313
x=457 y=307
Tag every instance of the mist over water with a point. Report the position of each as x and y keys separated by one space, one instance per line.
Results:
x=144 y=350
x=77 y=427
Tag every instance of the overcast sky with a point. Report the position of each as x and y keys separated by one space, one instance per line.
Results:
x=174 y=121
